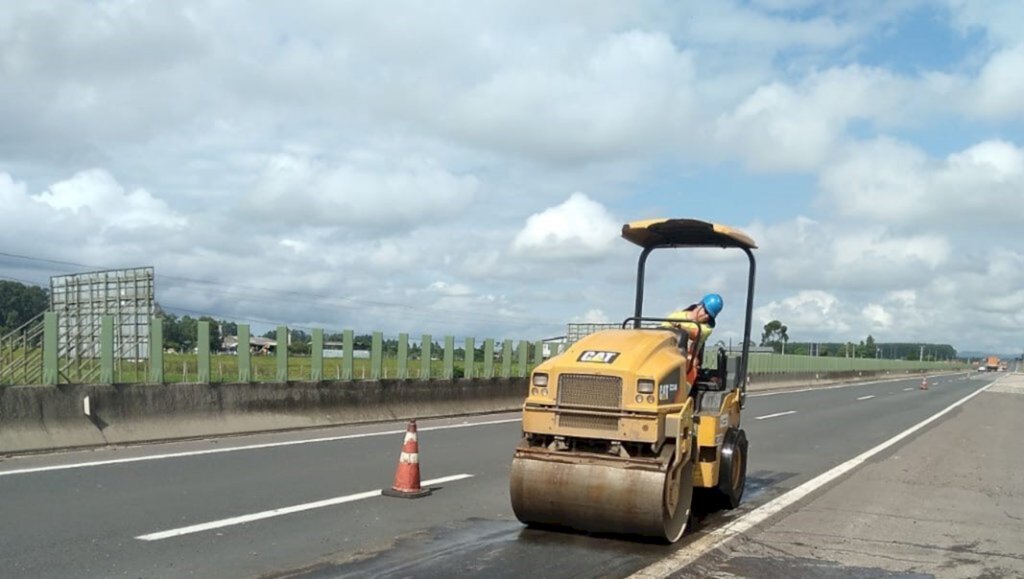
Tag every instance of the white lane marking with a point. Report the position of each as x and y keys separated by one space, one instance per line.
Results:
x=831 y=387
x=905 y=389
x=283 y=511
x=869 y=397
x=774 y=415
x=249 y=447
x=819 y=388
x=717 y=537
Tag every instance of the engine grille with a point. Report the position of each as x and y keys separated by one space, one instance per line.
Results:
x=590 y=391
x=609 y=423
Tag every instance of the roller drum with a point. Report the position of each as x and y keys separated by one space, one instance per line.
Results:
x=599 y=496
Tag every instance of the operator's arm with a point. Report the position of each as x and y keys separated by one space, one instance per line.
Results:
x=683 y=320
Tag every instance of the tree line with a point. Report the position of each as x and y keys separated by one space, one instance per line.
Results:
x=776 y=336
x=19 y=303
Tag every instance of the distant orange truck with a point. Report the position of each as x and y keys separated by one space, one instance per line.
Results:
x=992 y=363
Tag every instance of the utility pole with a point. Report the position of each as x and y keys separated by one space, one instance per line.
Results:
x=921 y=359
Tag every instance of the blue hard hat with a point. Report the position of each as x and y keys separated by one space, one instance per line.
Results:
x=712 y=304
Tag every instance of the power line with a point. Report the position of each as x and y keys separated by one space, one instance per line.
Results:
x=22 y=281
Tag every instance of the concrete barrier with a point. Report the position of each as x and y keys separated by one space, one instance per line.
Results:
x=35 y=418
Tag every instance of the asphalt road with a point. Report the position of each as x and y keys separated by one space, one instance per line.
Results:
x=63 y=517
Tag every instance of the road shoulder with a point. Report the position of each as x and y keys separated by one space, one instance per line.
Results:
x=948 y=503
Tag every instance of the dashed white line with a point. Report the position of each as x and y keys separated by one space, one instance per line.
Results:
x=283 y=511
x=249 y=447
x=775 y=415
x=717 y=537
x=868 y=397
x=907 y=389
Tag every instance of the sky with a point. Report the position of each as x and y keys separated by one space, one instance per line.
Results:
x=464 y=168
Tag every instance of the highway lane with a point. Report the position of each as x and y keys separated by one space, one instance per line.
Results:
x=83 y=522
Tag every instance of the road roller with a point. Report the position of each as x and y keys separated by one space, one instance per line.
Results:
x=619 y=434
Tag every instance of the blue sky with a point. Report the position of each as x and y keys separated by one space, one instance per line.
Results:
x=465 y=169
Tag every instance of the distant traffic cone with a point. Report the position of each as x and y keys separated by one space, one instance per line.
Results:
x=924 y=383
x=407 y=476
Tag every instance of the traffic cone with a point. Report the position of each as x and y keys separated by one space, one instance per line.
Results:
x=924 y=383
x=407 y=476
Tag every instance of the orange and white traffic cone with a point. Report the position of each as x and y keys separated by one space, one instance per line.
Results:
x=407 y=476
x=924 y=383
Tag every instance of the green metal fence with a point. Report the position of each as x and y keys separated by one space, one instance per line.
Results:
x=42 y=354
x=44 y=357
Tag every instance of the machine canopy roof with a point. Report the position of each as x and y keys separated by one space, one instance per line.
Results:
x=684 y=233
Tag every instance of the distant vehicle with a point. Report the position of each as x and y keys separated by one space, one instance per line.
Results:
x=1002 y=366
x=992 y=363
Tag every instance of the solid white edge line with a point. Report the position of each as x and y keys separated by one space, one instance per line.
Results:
x=774 y=415
x=717 y=537
x=283 y=511
x=869 y=397
x=248 y=447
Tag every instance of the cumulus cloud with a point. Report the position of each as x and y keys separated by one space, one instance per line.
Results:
x=450 y=289
x=877 y=316
x=577 y=228
x=818 y=254
x=998 y=19
x=893 y=182
x=363 y=190
x=820 y=312
x=87 y=210
x=785 y=127
x=592 y=316
x=97 y=192
x=1000 y=85
x=630 y=94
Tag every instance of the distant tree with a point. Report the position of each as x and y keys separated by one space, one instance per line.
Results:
x=180 y=333
x=228 y=328
x=775 y=335
x=20 y=303
x=300 y=348
x=870 y=348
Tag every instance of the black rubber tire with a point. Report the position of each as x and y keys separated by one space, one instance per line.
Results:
x=732 y=475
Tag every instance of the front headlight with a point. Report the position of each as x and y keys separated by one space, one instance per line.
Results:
x=540 y=379
x=645 y=386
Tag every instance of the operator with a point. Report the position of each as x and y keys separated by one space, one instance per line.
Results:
x=697 y=320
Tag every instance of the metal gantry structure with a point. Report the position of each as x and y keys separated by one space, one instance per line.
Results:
x=86 y=309
x=119 y=303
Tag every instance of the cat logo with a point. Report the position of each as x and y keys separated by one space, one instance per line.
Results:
x=598 y=357
x=667 y=391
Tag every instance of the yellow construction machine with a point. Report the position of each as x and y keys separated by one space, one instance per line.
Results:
x=615 y=439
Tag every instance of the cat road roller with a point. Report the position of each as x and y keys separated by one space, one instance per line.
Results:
x=615 y=437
